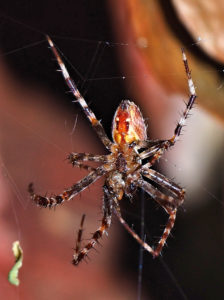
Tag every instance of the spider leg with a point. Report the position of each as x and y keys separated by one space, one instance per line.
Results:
x=146 y=144
x=190 y=103
x=168 y=202
x=74 y=158
x=152 y=148
x=79 y=237
x=88 y=112
x=134 y=235
x=84 y=166
x=161 y=242
x=105 y=224
x=69 y=193
x=166 y=233
x=170 y=205
x=164 y=145
x=163 y=181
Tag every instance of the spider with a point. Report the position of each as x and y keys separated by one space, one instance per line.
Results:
x=123 y=168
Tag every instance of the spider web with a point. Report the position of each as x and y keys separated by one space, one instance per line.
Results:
x=42 y=126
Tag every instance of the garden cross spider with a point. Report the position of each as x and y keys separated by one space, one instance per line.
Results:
x=122 y=168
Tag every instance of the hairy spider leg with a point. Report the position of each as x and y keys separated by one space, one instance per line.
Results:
x=105 y=224
x=88 y=112
x=170 y=205
x=165 y=201
x=177 y=131
x=166 y=232
x=163 y=181
x=69 y=193
x=168 y=202
x=151 y=150
x=191 y=100
x=83 y=166
x=79 y=236
x=77 y=159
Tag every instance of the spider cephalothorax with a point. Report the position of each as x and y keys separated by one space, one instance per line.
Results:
x=123 y=168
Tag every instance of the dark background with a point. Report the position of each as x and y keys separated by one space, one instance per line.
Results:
x=81 y=30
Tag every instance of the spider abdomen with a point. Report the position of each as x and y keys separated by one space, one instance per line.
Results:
x=128 y=124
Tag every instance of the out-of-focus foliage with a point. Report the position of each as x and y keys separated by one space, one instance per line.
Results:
x=13 y=273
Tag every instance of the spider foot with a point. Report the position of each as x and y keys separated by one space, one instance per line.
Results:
x=43 y=200
x=155 y=254
x=37 y=199
x=79 y=257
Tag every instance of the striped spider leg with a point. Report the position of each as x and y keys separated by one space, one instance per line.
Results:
x=108 y=203
x=79 y=237
x=123 y=169
x=88 y=112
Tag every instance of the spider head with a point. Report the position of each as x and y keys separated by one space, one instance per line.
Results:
x=128 y=124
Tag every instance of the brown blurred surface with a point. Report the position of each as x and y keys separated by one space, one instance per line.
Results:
x=158 y=29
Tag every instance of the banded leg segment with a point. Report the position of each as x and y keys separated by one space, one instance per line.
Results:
x=156 y=151
x=169 y=203
x=153 y=148
x=69 y=193
x=146 y=246
x=177 y=131
x=191 y=100
x=84 y=166
x=166 y=233
x=74 y=158
x=163 y=181
x=105 y=224
x=77 y=159
x=79 y=237
x=88 y=112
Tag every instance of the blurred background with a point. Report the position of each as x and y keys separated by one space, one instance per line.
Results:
x=114 y=50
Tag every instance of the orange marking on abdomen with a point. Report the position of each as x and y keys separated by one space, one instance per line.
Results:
x=128 y=124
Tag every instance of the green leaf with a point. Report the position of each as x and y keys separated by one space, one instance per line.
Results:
x=13 y=273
